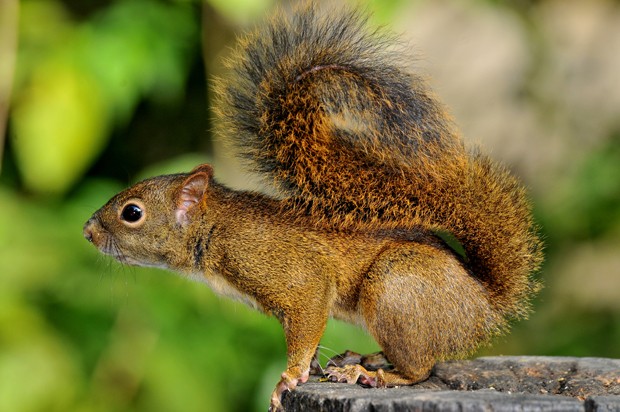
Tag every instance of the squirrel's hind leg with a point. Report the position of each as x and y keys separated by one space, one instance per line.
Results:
x=421 y=305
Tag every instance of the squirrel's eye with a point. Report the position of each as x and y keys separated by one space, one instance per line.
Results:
x=131 y=213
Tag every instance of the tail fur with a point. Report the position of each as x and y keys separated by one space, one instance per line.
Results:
x=324 y=108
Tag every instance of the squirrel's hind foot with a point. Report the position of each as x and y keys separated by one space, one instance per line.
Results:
x=353 y=374
x=373 y=370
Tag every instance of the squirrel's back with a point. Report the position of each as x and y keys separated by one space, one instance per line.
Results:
x=327 y=110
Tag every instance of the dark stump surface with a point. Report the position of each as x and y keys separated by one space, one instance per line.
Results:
x=483 y=384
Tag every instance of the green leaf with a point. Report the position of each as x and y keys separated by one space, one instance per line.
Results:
x=60 y=123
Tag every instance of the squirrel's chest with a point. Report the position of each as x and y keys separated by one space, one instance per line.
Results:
x=221 y=286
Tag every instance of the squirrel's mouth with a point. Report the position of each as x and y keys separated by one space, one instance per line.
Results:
x=96 y=234
x=108 y=246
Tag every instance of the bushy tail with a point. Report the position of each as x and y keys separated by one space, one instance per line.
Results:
x=325 y=109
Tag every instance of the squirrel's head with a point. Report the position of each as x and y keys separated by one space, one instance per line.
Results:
x=146 y=224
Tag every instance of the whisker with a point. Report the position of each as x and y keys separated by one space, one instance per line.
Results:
x=332 y=351
x=325 y=356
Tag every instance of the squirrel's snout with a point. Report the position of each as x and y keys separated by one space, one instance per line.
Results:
x=88 y=229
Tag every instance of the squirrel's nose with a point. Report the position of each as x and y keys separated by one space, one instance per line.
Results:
x=88 y=230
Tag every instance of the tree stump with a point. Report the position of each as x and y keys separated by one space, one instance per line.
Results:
x=484 y=384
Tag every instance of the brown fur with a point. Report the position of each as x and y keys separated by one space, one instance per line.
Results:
x=369 y=166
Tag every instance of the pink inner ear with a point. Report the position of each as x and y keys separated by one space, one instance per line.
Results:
x=191 y=195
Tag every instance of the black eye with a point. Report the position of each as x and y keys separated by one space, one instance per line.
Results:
x=131 y=213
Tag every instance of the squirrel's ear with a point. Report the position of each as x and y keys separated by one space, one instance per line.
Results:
x=205 y=168
x=192 y=192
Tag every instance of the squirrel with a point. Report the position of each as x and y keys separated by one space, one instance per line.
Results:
x=373 y=181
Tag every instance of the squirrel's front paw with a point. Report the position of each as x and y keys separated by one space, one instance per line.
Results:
x=276 y=396
x=287 y=383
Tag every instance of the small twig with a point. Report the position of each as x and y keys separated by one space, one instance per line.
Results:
x=9 y=25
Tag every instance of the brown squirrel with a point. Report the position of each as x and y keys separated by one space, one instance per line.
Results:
x=371 y=174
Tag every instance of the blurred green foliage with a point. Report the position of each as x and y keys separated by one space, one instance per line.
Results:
x=74 y=85
x=109 y=91
x=588 y=206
